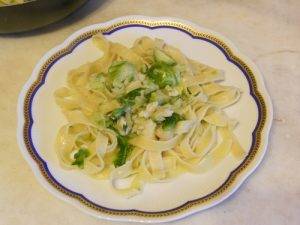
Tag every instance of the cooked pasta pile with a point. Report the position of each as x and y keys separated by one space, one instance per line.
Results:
x=145 y=114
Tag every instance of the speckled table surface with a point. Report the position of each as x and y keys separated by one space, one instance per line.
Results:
x=268 y=31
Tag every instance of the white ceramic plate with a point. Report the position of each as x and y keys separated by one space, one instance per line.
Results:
x=39 y=120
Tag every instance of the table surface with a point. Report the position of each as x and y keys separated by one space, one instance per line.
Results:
x=268 y=31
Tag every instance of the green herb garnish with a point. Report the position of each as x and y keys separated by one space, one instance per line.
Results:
x=129 y=98
x=170 y=122
x=163 y=75
x=124 y=151
x=121 y=72
x=118 y=113
x=80 y=157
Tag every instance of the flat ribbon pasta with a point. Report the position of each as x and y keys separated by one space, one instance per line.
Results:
x=80 y=135
x=145 y=114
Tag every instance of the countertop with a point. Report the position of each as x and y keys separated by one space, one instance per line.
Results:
x=268 y=31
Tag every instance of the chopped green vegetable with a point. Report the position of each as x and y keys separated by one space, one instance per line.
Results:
x=163 y=75
x=120 y=73
x=134 y=93
x=159 y=96
x=117 y=113
x=124 y=151
x=170 y=122
x=162 y=57
x=97 y=82
x=80 y=157
x=128 y=99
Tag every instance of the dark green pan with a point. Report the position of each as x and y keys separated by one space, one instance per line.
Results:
x=35 y=14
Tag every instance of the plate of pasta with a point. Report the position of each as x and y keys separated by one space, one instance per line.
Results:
x=144 y=119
